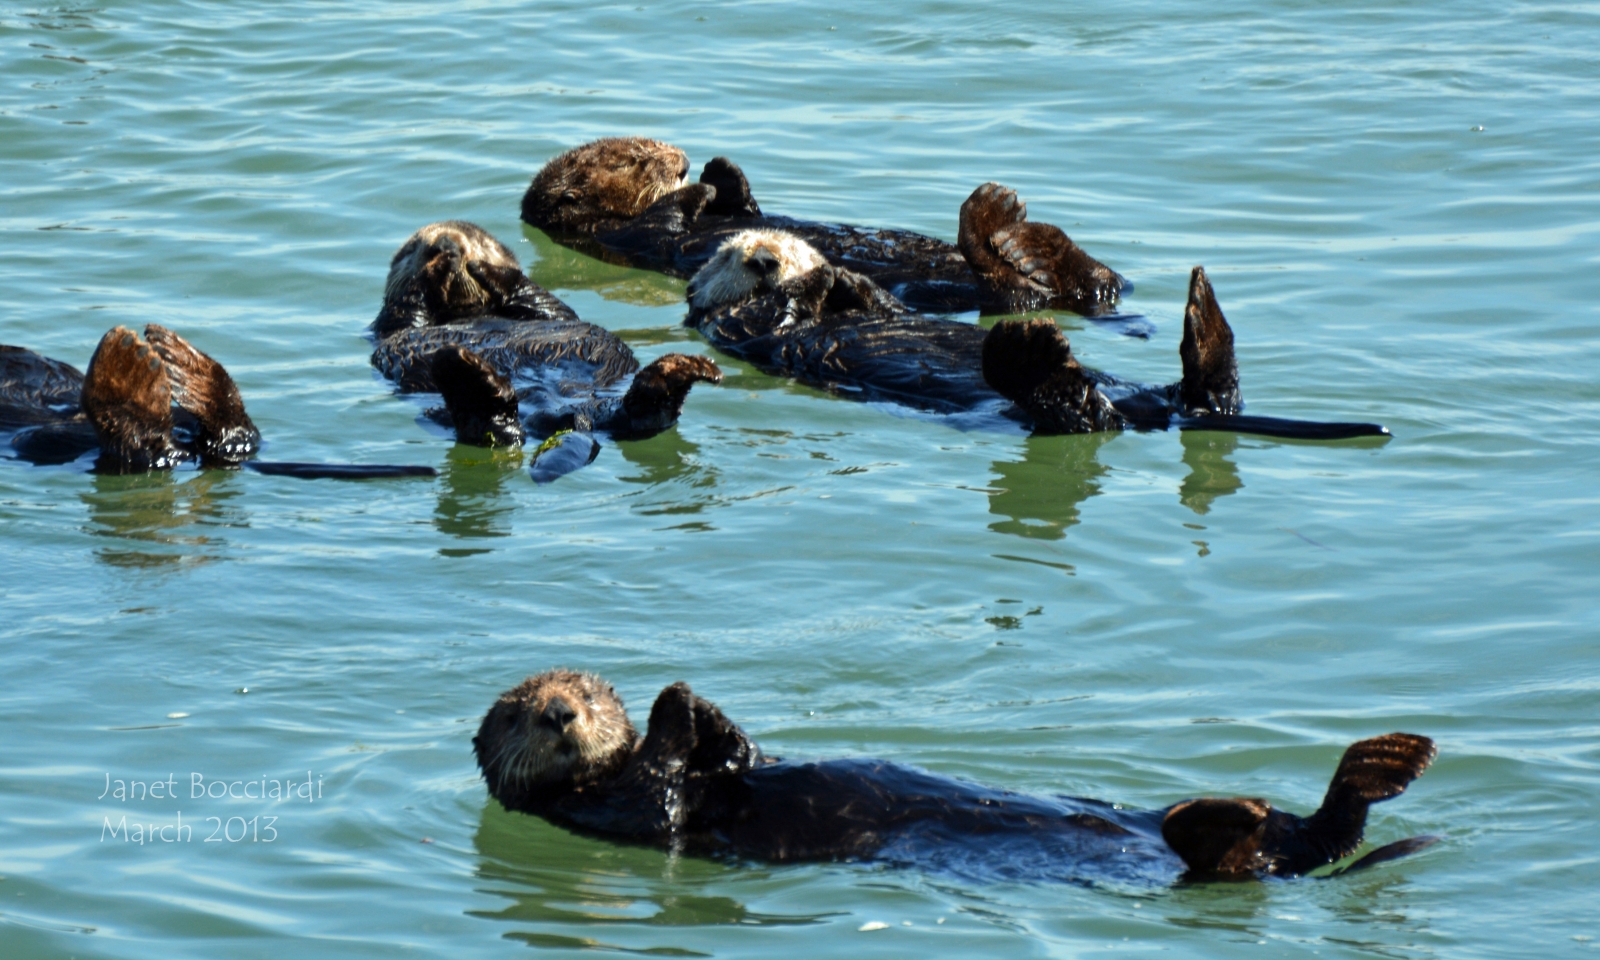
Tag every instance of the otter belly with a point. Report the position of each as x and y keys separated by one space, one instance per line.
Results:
x=880 y=811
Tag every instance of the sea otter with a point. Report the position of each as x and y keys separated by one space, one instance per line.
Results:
x=147 y=403
x=560 y=746
x=770 y=298
x=628 y=199
x=461 y=318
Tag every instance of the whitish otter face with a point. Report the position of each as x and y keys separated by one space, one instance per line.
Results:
x=748 y=263
x=434 y=261
x=558 y=727
x=603 y=184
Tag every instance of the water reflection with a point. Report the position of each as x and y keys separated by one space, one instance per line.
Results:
x=473 y=504
x=1211 y=473
x=581 y=890
x=167 y=518
x=1041 y=493
x=665 y=457
x=555 y=267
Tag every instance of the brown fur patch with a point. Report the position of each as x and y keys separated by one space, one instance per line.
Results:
x=601 y=185
x=128 y=398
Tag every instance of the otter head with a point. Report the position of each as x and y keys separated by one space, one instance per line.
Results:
x=750 y=263
x=551 y=733
x=602 y=185
x=452 y=269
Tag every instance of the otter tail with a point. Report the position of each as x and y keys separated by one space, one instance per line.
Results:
x=201 y=387
x=655 y=398
x=1030 y=363
x=481 y=401
x=128 y=398
x=1210 y=372
x=1026 y=266
x=1280 y=427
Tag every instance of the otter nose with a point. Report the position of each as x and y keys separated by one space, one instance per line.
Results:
x=557 y=715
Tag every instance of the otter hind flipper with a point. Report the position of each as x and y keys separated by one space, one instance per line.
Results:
x=1026 y=265
x=202 y=387
x=481 y=401
x=1210 y=382
x=128 y=398
x=1030 y=363
x=655 y=398
x=732 y=197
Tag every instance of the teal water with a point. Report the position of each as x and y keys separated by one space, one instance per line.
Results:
x=1397 y=204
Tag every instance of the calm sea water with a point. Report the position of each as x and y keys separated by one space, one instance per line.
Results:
x=1398 y=206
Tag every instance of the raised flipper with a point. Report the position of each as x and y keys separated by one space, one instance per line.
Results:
x=1030 y=363
x=1244 y=837
x=201 y=387
x=1026 y=266
x=733 y=197
x=1210 y=371
x=563 y=453
x=655 y=398
x=481 y=401
x=128 y=398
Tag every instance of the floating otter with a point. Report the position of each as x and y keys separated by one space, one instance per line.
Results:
x=628 y=199
x=770 y=298
x=147 y=403
x=560 y=746
x=459 y=317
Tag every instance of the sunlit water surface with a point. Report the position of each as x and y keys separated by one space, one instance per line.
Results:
x=1398 y=206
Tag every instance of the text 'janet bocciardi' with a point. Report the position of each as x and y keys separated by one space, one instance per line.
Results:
x=259 y=827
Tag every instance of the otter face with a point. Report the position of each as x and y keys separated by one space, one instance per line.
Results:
x=560 y=728
x=603 y=184
x=751 y=262
x=440 y=261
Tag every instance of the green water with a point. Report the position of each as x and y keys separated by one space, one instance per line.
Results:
x=1397 y=204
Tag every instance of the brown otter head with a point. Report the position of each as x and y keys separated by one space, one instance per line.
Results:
x=550 y=734
x=749 y=263
x=446 y=271
x=602 y=185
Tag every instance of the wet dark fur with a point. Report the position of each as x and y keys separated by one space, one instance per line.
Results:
x=838 y=330
x=147 y=403
x=460 y=318
x=697 y=783
x=1001 y=263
